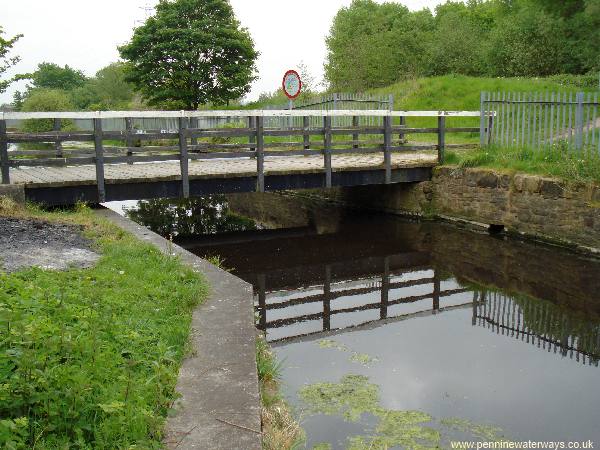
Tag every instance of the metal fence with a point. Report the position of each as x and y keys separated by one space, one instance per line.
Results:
x=541 y=120
x=339 y=101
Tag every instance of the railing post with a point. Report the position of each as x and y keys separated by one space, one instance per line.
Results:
x=4 y=153
x=99 y=159
x=129 y=139
x=436 y=293
x=355 y=136
x=387 y=145
x=385 y=289
x=183 y=158
x=57 y=144
x=305 y=129
x=194 y=125
x=262 y=302
x=260 y=155
x=402 y=124
x=482 y=109
x=252 y=136
x=441 y=138
x=327 y=150
x=579 y=122
x=327 y=299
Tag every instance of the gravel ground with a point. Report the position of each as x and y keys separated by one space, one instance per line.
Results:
x=26 y=243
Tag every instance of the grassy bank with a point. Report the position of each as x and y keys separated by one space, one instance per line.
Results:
x=280 y=430
x=553 y=161
x=89 y=357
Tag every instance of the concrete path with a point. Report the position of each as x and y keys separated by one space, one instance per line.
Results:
x=220 y=404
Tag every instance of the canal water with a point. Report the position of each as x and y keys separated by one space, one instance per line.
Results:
x=400 y=334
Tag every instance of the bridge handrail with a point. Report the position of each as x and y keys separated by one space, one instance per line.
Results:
x=228 y=113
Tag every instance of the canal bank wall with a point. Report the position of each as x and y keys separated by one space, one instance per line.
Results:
x=219 y=406
x=533 y=206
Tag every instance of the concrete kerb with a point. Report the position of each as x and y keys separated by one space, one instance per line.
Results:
x=219 y=406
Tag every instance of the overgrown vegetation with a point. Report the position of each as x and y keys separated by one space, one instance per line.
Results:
x=376 y=44
x=89 y=358
x=280 y=430
x=7 y=61
x=556 y=161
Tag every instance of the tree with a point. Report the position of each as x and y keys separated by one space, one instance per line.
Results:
x=7 y=61
x=107 y=90
x=52 y=76
x=46 y=100
x=190 y=53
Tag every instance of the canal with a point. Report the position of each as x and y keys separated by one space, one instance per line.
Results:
x=401 y=334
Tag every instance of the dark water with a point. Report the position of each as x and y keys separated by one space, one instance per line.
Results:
x=481 y=337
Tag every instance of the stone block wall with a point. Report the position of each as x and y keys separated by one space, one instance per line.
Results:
x=533 y=205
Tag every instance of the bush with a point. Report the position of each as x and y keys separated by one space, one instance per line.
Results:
x=46 y=100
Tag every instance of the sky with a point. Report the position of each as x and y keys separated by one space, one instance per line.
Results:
x=85 y=34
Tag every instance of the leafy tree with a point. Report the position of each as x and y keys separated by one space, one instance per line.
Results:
x=7 y=61
x=107 y=90
x=46 y=100
x=52 y=76
x=372 y=45
x=191 y=52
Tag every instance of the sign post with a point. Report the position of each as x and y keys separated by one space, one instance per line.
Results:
x=292 y=86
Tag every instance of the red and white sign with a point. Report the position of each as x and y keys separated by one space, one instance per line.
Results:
x=292 y=84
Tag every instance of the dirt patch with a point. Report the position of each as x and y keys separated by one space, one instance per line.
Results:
x=26 y=243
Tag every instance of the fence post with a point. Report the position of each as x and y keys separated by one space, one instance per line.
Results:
x=387 y=144
x=129 y=139
x=442 y=138
x=327 y=149
x=335 y=107
x=402 y=123
x=194 y=125
x=183 y=158
x=579 y=122
x=57 y=144
x=305 y=135
x=4 y=153
x=252 y=137
x=99 y=159
x=482 y=139
x=355 y=124
x=260 y=156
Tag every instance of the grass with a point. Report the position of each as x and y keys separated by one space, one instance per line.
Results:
x=280 y=430
x=89 y=357
x=555 y=161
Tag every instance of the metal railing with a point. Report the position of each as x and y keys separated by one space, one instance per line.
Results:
x=541 y=120
x=246 y=138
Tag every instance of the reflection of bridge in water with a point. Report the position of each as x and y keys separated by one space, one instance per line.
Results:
x=401 y=293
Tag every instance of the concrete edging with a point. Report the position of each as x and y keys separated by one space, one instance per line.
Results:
x=219 y=406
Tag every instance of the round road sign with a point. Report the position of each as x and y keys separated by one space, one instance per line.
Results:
x=292 y=84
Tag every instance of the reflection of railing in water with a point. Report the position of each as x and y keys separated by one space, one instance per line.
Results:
x=538 y=323
x=382 y=285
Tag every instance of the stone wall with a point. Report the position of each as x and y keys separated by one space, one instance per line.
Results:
x=540 y=207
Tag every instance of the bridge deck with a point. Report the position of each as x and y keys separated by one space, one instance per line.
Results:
x=44 y=177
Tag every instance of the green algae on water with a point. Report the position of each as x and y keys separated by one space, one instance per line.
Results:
x=354 y=396
x=350 y=398
x=484 y=432
x=361 y=358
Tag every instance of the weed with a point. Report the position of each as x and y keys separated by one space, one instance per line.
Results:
x=280 y=429
x=90 y=357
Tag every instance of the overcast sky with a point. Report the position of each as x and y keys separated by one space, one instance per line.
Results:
x=84 y=34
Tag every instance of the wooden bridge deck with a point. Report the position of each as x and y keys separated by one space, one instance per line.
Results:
x=38 y=177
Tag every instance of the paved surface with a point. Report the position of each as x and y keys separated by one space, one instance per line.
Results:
x=220 y=404
x=219 y=168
